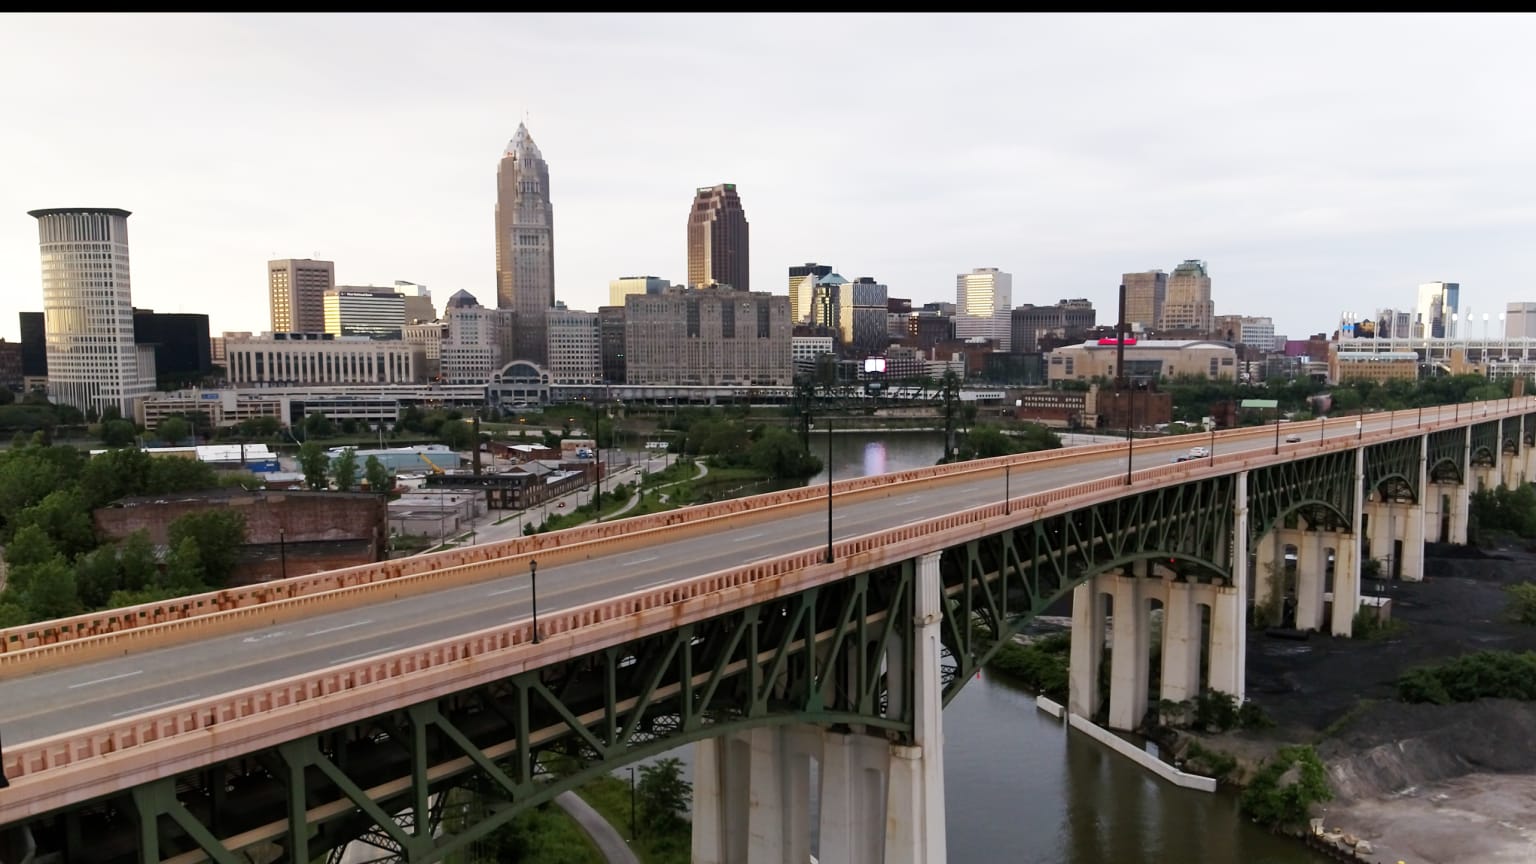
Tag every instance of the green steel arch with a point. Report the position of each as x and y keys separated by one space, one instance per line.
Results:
x=1392 y=468
x=1486 y=444
x=1320 y=487
x=1445 y=457
x=1000 y=583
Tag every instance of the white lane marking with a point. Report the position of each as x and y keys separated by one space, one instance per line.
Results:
x=342 y=627
x=365 y=654
x=639 y=561
x=507 y=590
x=252 y=639
x=910 y=499
x=142 y=708
x=747 y=537
x=106 y=679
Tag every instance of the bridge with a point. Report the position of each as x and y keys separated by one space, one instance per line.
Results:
x=824 y=625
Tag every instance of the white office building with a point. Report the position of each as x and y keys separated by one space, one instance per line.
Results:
x=983 y=306
x=93 y=362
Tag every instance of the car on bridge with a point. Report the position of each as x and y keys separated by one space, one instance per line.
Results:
x=1199 y=452
x=1292 y=438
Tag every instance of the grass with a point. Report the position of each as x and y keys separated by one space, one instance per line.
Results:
x=609 y=796
x=1344 y=720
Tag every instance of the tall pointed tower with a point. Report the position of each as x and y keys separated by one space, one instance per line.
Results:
x=525 y=245
x=717 y=239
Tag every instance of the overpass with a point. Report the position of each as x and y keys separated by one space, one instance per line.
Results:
x=284 y=720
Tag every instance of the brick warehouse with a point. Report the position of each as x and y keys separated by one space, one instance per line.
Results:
x=287 y=533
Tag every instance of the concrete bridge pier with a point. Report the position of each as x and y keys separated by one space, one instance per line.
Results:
x=880 y=802
x=1131 y=655
x=1311 y=578
x=1088 y=633
x=1181 y=640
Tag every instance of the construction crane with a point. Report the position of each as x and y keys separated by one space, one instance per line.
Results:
x=431 y=464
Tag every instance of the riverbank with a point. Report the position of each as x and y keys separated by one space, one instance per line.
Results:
x=1421 y=783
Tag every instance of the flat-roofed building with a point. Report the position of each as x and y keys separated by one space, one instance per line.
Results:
x=376 y=313
x=318 y=358
x=688 y=336
x=1378 y=366
x=1146 y=360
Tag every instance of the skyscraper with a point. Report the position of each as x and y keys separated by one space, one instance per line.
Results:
x=717 y=239
x=1188 y=305
x=525 y=244
x=297 y=289
x=802 y=283
x=983 y=300
x=1437 y=307
x=1144 y=297
x=624 y=286
x=88 y=310
x=377 y=313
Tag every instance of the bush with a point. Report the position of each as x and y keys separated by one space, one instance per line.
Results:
x=1480 y=675
x=1522 y=603
x=1285 y=788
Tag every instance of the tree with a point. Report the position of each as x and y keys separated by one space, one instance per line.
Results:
x=314 y=462
x=779 y=454
x=457 y=434
x=118 y=433
x=377 y=475
x=136 y=562
x=97 y=576
x=172 y=474
x=185 y=572
x=664 y=794
x=173 y=430
x=66 y=520
x=318 y=425
x=115 y=474
x=217 y=536
x=345 y=469
x=51 y=591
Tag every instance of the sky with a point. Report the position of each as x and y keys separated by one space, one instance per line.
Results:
x=1319 y=164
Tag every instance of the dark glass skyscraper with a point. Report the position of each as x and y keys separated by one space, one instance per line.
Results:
x=717 y=239
x=525 y=245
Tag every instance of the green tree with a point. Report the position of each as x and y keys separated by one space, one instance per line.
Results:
x=118 y=433
x=218 y=536
x=97 y=576
x=1279 y=796
x=138 y=567
x=117 y=473
x=173 y=430
x=30 y=546
x=318 y=425
x=664 y=796
x=778 y=453
x=64 y=516
x=176 y=474
x=51 y=591
x=344 y=469
x=457 y=434
x=185 y=572
x=11 y=614
x=314 y=462
x=377 y=475
x=985 y=442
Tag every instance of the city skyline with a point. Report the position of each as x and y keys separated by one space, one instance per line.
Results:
x=1326 y=170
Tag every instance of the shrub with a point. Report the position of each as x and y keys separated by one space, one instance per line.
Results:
x=1285 y=788
x=1522 y=603
x=1480 y=675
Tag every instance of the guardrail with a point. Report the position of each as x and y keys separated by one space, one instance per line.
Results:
x=157 y=743
x=165 y=613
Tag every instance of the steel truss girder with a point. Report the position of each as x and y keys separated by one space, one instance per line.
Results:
x=820 y=656
x=1509 y=434
x=1003 y=581
x=1485 y=443
x=1446 y=454
x=1392 y=468
x=1320 y=487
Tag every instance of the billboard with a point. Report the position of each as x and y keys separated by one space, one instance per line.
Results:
x=874 y=364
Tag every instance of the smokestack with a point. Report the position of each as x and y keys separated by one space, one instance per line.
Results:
x=1122 y=380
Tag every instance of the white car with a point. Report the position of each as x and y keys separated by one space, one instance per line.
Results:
x=1199 y=452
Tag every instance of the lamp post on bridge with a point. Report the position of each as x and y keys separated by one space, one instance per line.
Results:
x=1277 y=431
x=829 y=489
x=533 y=577
x=1007 y=504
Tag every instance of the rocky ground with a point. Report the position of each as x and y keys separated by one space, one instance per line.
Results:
x=1425 y=784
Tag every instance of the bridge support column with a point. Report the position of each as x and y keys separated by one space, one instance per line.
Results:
x=1128 y=662
x=914 y=826
x=1181 y=644
x=853 y=780
x=1311 y=567
x=1346 y=564
x=1461 y=501
x=719 y=802
x=1087 y=648
x=1239 y=582
x=1268 y=575
x=1228 y=642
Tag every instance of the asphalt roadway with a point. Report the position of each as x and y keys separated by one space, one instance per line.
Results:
x=76 y=697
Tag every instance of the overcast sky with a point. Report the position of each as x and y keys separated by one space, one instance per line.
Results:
x=1319 y=163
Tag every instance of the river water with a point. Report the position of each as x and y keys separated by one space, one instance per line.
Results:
x=1019 y=788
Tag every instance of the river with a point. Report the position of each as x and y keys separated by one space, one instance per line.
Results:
x=1019 y=787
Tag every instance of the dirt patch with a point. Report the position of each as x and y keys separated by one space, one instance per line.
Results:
x=1423 y=783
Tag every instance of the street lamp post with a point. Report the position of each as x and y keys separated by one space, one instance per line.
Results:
x=1322 y=430
x=1277 y=433
x=533 y=585
x=829 y=489
x=1359 y=430
x=282 y=551
x=1007 y=505
x=634 y=827
x=1130 y=434
x=1212 y=448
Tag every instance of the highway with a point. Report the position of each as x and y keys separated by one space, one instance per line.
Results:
x=79 y=696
